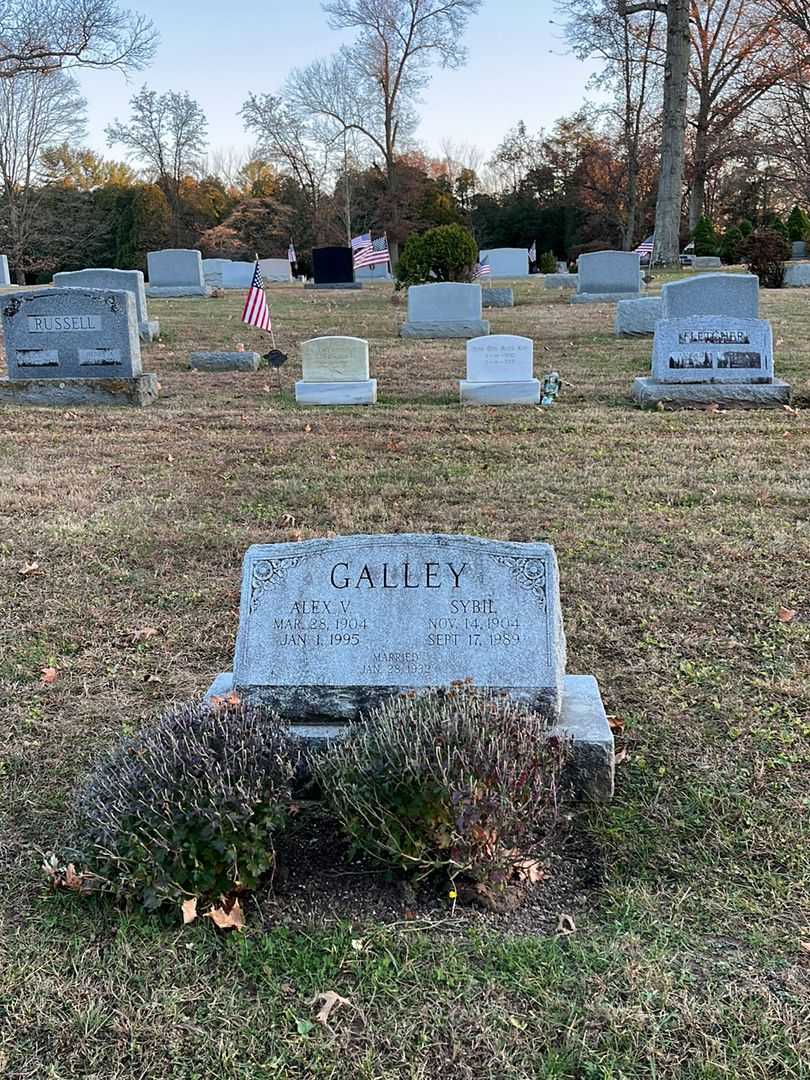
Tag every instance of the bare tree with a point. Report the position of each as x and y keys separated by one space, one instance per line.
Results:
x=286 y=136
x=36 y=112
x=631 y=49
x=372 y=88
x=673 y=120
x=167 y=134
x=40 y=36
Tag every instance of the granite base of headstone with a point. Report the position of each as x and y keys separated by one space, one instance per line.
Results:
x=607 y=277
x=69 y=346
x=446 y=309
x=706 y=360
x=176 y=272
x=335 y=372
x=500 y=371
x=129 y=280
x=497 y=298
x=224 y=361
x=798 y=276
x=637 y=318
x=331 y=628
x=563 y=280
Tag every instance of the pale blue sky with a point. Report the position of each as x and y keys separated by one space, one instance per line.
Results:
x=518 y=68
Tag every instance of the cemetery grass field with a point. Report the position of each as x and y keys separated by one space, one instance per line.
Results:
x=681 y=537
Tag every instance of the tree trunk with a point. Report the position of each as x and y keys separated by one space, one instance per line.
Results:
x=676 y=87
x=697 y=189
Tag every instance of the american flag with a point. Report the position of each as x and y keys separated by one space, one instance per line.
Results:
x=646 y=248
x=256 y=312
x=361 y=241
x=533 y=251
x=481 y=270
x=292 y=258
x=373 y=254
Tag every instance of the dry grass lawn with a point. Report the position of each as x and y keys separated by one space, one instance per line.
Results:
x=680 y=537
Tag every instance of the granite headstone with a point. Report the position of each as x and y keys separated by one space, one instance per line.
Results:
x=335 y=372
x=276 y=270
x=507 y=262
x=500 y=371
x=129 y=280
x=333 y=268
x=176 y=272
x=607 y=276
x=446 y=309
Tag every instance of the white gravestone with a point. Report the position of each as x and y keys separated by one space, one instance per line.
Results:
x=500 y=371
x=446 y=309
x=176 y=272
x=700 y=360
x=335 y=372
x=5 y=276
x=507 y=262
x=130 y=280
x=330 y=628
x=607 y=276
x=276 y=270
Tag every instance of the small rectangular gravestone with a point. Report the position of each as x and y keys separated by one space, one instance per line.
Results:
x=500 y=371
x=276 y=270
x=798 y=249
x=69 y=346
x=562 y=280
x=335 y=372
x=735 y=296
x=607 y=276
x=446 y=309
x=712 y=359
x=333 y=268
x=176 y=272
x=507 y=262
x=497 y=298
x=638 y=318
x=331 y=628
x=129 y=280
x=798 y=276
x=224 y=361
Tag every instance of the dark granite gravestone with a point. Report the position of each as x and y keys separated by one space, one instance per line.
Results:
x=330 y=628
x=333 y=268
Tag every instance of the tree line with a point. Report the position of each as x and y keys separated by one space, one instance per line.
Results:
x=698 y=124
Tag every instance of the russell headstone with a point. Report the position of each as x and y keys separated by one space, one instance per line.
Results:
x=74 y=346
x=335 y=372
x=500 y=371
x=129 y=280
x=507 y=262
x=329 y=628
x=333 y=268
x=447 y=309
x=176 y=272
x=711 y=359
x=607 y=276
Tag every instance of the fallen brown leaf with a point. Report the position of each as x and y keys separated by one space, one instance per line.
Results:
x=144 y=633
x=621 y=756
x=787 y=615
x=616 y=724
x=328 y=1002
x=189 y=908
x=49 y=676
x=227 y=920
x=566 y=925
x=804 y=946
x=28 y=568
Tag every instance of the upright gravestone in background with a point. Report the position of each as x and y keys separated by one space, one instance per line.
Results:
x=276 y=270
x=73 y=347
x=333 y=268
x=176 y=272
x=507 y=262
x=607 y=276
x=329 y=628
x=335 y=372
x=712 y=359
x=129 y=280
x=228 y=274
x=5 y=276
x=500 y=371
x=446 y=309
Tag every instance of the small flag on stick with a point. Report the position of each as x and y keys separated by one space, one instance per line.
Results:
x=533 y=251
x=256 y=312
x=372 y=254
x=482 y=270
x=291 y=256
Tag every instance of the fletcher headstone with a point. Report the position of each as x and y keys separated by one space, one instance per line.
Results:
x=735 y=296
x=333 y=268
x=335 y=372
x=129 y=280
x=73 y=346
x=507 y=262
x=176 y=272
x=701 y=360
x=276 y=270
x=607 y=276
x=329 y=628
x=447 y=309
x=500 y=371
